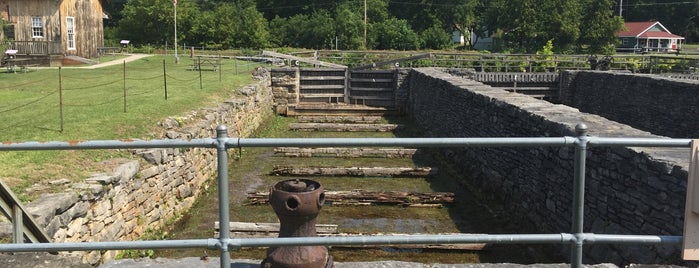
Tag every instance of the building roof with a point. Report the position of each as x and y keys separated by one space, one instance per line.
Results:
x=645 y=30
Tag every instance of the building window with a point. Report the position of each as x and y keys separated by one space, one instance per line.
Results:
x=37 y=27
x=70 y=32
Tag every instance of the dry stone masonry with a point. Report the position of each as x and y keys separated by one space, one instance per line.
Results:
x=628 y=190
x=661 y=105
x=149 y=193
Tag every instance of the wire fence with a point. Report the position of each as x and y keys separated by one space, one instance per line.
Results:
x=45 y=94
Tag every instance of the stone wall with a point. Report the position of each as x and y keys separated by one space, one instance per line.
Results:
x=149 y=193
x=660 y=105
x=628 y=190
x=285 y=88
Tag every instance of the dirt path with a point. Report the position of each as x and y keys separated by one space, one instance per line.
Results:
x=130 y=58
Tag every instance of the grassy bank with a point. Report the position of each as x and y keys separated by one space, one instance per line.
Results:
x=124 y=101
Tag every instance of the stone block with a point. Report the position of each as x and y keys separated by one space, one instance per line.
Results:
x=102 y=179
x=153 y=157
x=89 y=191
x=95 y=227
x=184 y=191
x=126 y=171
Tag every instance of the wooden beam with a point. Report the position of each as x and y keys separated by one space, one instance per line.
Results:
x=367 y=198
x=12 y=208
x=344 y=127
x=345 y=152
x=310 y=61
x=339 y=119
x=391 y=62
x=352 y=171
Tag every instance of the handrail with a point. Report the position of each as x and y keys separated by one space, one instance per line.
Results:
x=576 y=239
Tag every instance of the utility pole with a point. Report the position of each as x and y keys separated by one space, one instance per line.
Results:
x=177 y=58
x=364 y=24
x=620 y=4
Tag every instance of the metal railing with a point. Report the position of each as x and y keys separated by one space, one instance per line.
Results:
x=224 y=243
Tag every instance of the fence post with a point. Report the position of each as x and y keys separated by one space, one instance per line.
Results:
x=124 y=86
x=200 y=83
x=579 y=194
x=60 y=96
x=223 y=207
x=17 y=225
x=165 y=79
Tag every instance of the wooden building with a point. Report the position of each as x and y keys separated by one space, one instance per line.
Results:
x=54 y=27
x=648 y=36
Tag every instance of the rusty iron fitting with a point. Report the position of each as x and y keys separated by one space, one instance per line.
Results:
x=297 y=203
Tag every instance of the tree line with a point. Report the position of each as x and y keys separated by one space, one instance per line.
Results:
x=518 y=26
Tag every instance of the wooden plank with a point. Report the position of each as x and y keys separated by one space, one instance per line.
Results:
x=371 y=98
x=345 y=152
x=321 y=87
x=322 y=95
x=384 y=89
x=322 y=78
x=352 y=171
x=271 y=227
x=372 y=80
x=339 y=119
x=366 y=198
x=343 y=127
x=11 y=206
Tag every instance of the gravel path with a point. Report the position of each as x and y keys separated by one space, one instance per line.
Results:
x=130 y=58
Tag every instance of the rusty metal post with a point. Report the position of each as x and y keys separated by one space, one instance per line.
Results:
x=297 y=202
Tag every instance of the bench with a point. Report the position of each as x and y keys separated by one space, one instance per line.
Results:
x=108 y=50
x=200 y=64
x=22 y=64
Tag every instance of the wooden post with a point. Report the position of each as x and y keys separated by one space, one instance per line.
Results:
x=17 y=225
x=165 y=79
x=124 y=86
x=200 y=82
x=60 y=96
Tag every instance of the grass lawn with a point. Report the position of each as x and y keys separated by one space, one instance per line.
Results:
x=116 y=102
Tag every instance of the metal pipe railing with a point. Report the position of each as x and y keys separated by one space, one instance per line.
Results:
x=576 y=239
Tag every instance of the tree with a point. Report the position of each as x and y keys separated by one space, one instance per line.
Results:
x=477 y=18
x=435 y=38
x=230 y=26
x=349 y=28
x=601 y=26
x=251 y=28
x=152 y=21
x=393 y=34
x=306 y=31
x=528 y=24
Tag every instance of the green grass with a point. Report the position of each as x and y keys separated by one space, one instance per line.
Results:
x=116 y=102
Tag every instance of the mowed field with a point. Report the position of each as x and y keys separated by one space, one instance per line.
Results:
x=123 y=101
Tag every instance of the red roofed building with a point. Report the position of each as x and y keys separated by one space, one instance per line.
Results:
x=647 y=37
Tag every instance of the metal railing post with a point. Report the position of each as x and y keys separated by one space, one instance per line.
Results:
x=579 y=194
x=223 y=205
